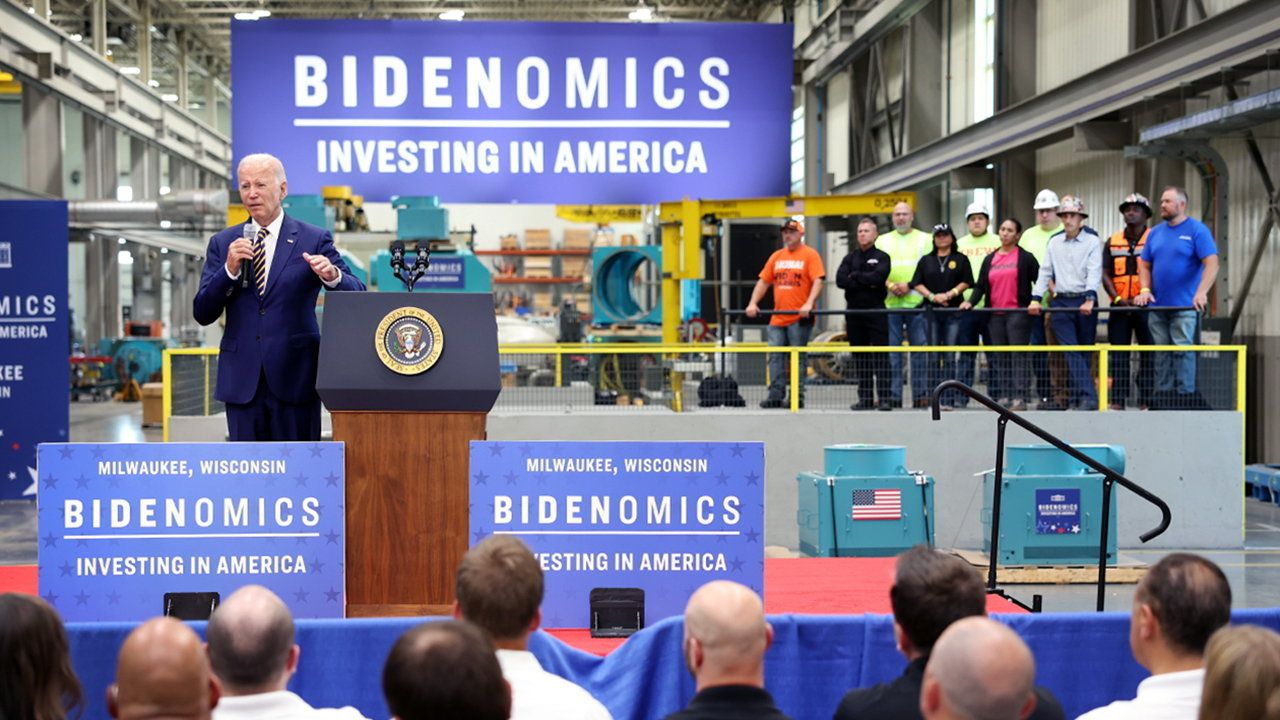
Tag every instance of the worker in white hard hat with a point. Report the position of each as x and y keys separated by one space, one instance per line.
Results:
x=1073 y=263
x=976 y=245
x=1049 y=382
x=1121 y=278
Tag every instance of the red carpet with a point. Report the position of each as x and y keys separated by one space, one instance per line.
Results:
x=18 y=578
x=810 y=586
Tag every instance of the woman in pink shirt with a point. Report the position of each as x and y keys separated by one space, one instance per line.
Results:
x=1005 y=279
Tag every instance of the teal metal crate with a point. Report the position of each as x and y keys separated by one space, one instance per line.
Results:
x=420 y=217
x=865 y=503
x=310 y=209
x=1051 y=506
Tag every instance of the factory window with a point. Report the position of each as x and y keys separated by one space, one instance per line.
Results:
x=984 y=59
x=797 y=150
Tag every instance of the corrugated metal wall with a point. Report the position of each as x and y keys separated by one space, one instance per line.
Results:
x=1078 y=36
x=961 y=71
x=1102 y=179
x=836 y=132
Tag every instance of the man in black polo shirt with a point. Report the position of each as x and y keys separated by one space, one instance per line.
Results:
x=931 y=590
x=862 y=276
x=725 y=636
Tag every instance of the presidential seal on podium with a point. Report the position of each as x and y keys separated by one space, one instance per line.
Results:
x=409 y=340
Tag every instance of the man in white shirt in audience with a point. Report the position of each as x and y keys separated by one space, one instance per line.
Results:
x=979 y=668
x=499 y=588
x=251 y=648
x=1182 y=600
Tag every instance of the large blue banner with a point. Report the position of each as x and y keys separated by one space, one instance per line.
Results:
x=122 y=524
x=662 y=517
x=34 y=338
x=517 y=112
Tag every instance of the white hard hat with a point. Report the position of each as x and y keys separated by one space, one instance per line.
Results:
x=976 y=208
x=1046 y=200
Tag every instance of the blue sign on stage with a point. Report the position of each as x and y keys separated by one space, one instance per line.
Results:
x=122 y=524
x=1058 y=511
x=444 y=274
x=662 y=517
x=497 y=112
x=34 y=338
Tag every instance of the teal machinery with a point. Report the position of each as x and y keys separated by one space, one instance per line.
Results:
x=864 y=503
x=614 y=299
x=1051 y=505
x=310 y=209
x=421 y=219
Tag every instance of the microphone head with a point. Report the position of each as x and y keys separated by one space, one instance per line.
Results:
x=247 y=233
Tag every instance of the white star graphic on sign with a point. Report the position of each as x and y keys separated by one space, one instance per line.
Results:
x=1075 y=528
x=31 y=490
x=13 y=475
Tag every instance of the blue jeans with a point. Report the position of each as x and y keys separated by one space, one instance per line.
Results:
x=944 y=329
x=1076 y=329
x=907 y=326
x=1178 y=368
x=1039 y=360
x=793 y=335
x=973 y=326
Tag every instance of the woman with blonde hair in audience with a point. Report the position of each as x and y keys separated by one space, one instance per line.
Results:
x=36 y=678
x=1242 y=675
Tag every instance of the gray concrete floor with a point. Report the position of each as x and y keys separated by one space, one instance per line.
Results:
x=1254 y=570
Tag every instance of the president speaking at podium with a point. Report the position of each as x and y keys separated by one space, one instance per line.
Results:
x=265 y=274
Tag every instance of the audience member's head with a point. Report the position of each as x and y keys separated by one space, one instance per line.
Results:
x=445 y=670
x=36 y=679
x=1242 y=674
x=499 y=589
x=931 y=590
x=162 y=672
x=725 y=635
x=979 y=669
x=1181 y=602
x=250 y=642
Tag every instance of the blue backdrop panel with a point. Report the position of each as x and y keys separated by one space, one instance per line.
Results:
x=1082 y=657
x=517 y=112
x=34 y=338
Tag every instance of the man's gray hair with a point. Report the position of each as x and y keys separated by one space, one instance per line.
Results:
x=264 y=159
x=1180 y=192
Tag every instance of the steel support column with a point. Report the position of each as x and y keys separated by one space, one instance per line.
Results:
x=98 y=26
x=144 y=42
x=42 y=131
x=100 y=172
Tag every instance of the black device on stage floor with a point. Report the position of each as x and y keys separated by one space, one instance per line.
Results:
x=616 y=612
x=191 y=605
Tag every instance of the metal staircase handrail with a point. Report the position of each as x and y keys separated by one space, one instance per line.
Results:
x=1109 y=477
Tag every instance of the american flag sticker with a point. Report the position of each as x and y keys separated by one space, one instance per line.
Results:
x=877 y=504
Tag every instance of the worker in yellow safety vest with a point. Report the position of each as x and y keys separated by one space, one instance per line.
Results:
x=905 y=246
x=1120 y=277
x=1050 y=387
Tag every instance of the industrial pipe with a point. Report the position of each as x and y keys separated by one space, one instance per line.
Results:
x=180 y=206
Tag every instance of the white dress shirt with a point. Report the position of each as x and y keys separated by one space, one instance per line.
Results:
x=281 y=705
x=538 y=694
x=1171 y=696
x=269 y=249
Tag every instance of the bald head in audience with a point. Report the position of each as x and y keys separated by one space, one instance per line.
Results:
x=162 y=672
x=250 y=640
x=725 y=635
x=978 y=670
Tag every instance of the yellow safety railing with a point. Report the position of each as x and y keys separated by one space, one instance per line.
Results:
x=201 y=396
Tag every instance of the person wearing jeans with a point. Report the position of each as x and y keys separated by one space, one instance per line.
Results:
x=941 y=277
x=1177 y=268
x=904 y=245
x=1073 y=263
x=1005 y=280
x=795 y=273
x=1120 y=277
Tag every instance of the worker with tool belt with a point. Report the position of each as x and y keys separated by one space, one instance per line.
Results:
x=1120 y=277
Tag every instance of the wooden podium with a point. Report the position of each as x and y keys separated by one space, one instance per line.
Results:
x=407 y=442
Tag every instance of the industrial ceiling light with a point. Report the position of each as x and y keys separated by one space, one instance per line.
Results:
x=253 y=14
x=153 y=83
x=130 y=70
x=169 y=97
x=642 y=13
x=454 y=15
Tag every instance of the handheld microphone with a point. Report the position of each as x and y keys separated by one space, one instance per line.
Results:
x=246 y=266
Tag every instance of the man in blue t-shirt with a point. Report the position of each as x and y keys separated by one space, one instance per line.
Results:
x=1176 y=269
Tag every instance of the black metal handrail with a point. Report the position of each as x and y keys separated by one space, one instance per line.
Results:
x=1109 y=477
x=933 y=308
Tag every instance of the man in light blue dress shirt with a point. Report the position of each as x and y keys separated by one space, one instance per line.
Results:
x=1073 y=262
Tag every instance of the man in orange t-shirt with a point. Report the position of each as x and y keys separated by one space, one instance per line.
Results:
x=795 y=272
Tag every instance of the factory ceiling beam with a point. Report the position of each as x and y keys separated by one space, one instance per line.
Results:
x=1231 y=37
x=869 y=29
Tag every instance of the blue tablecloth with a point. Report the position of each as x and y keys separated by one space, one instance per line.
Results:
x=1082 y=657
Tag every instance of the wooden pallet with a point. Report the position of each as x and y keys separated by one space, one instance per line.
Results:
x=1127 y=571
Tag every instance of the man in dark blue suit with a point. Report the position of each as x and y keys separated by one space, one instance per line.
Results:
x=271 y=344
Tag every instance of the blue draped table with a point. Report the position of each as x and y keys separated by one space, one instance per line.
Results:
x=1082 y=657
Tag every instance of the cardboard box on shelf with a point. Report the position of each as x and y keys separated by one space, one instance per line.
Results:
x=543 y=300
x=577 y=238
x=537 y=267
x=508 y=242
x=573 y=266
x=628 y=240
x=537 y=239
